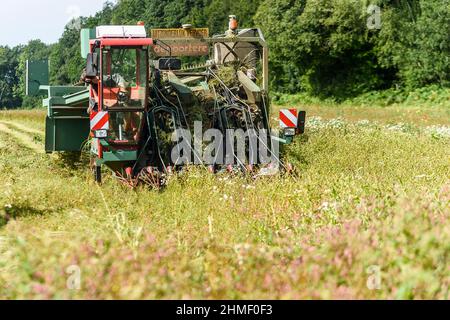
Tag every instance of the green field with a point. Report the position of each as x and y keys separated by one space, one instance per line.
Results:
x=369 y=201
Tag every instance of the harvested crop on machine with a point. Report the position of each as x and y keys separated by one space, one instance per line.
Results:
x=149 y=106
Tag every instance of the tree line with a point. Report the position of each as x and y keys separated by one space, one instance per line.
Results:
x=326 y=48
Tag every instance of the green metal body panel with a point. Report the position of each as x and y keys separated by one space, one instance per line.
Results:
x=37 y=75
x=86 y=36
x=252 y=90
x=183 y=91
x=286 y=139
x=66 y=133
x=67 y=124
x=119 y=156
x=115 y=157
x=65 y=96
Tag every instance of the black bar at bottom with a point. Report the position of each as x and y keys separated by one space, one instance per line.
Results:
x=225 y=309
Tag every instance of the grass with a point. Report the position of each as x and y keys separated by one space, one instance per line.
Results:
x=367 y=196
x=422 y=107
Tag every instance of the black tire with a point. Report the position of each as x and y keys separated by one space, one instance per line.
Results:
x=98 y=174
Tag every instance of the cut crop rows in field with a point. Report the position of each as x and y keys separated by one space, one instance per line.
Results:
x=23 y=139
x=22 y=127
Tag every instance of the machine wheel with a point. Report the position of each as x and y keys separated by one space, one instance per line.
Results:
x=98 y=174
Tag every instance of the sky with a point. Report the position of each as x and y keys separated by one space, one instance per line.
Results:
x=25 y=20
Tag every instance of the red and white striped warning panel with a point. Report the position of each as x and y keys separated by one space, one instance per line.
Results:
x=288 y=118
x=99 y=120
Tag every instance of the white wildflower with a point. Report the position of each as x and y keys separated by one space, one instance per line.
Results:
x=438 y=131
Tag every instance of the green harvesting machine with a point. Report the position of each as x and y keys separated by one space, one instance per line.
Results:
x=142 y=102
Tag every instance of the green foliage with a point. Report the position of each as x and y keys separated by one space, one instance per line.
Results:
x=415 y=41
x=325 y=48
x=8 y=79
x=433 y=95
x=326 y=43
x=66 y=61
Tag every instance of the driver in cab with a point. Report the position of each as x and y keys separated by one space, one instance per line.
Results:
x=125 y=124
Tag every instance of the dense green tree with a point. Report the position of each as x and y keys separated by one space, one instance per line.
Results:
x=321 y=46
x=415 y=40
x=324 y=47
x=8 y=80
